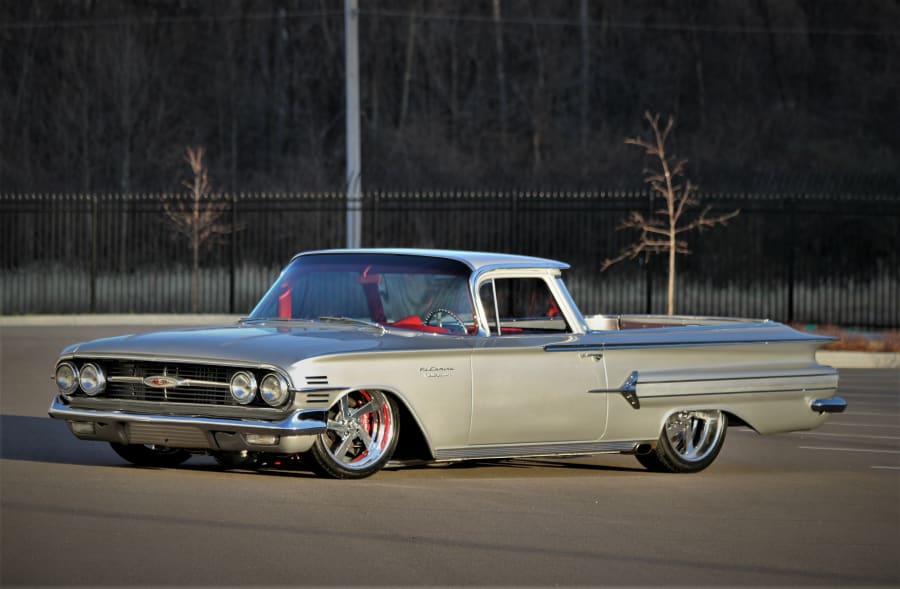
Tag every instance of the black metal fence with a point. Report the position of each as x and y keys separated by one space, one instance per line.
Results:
x=796 y=258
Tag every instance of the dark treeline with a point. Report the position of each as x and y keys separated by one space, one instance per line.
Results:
x=104 y=95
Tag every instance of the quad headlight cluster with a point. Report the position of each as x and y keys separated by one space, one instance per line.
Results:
x=243 y=386
x=90 y=379
x=273 y=389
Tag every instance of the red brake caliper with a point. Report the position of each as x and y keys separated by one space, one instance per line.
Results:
x=365 y=421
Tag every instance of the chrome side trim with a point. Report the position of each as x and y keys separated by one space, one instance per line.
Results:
x=831 y=405
x=698 y=344
x=782 y=375
x=303 y=422
x=573 y=348
x=525 y=450
x=161 y=358
x=747 y=392
x=324 y=389
x=627 y=390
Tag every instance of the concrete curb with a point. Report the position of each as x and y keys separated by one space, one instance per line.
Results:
x=858 y=359
x=828 y=357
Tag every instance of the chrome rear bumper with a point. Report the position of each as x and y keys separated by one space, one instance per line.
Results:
x=830 y=405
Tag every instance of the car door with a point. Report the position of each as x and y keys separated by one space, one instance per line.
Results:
x=531 y=376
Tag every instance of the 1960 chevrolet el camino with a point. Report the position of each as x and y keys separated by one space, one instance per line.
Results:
x=356 y=359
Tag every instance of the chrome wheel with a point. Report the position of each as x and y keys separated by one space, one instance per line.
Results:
x=361 y=436
x=694 y=435
x=689 y=442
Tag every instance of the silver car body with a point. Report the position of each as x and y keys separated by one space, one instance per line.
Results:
x=601 y=384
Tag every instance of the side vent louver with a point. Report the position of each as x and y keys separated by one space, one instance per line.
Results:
x=317 y=380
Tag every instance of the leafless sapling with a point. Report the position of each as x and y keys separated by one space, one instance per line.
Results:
x=662 y=231
x=196 y=215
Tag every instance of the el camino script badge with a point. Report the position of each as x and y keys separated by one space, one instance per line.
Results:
x=161 y=382
x=435 y=372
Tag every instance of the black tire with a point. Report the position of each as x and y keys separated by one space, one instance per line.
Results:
x=689 y=442
x=363 y=428
x=651 y=461
x=149 y=455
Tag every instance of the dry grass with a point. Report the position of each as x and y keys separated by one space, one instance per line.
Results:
x=884 y=341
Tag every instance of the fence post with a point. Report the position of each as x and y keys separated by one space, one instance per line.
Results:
x=232 y=255
x=94 y=238
x=792 y=244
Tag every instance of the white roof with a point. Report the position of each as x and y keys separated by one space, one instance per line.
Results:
x=475 y=260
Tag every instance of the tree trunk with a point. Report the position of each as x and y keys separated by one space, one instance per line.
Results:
x=670 y=291
x=195 y=245
x=195 y=278
x=126 y=125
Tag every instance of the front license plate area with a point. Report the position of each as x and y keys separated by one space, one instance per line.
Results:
x=167 y=435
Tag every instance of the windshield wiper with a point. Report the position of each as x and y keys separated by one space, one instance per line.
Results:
x=353 y=321
x=250 y=320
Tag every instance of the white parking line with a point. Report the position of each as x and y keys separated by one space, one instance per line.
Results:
x=860 y=436
x=886 y=467
x=849 y=450
x=879 y=395
x=883 y=425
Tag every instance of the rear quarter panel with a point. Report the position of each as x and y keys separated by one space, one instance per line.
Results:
x=768 y=385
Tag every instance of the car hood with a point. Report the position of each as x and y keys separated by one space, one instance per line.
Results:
x=272 y=344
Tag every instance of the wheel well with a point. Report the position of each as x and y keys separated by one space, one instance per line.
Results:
x=735 y=421
x=412 y=444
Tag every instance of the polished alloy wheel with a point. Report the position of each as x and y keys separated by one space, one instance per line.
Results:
x=361 y=435
x=694 y=435
x=689 y=442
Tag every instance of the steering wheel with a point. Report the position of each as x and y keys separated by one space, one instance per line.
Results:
x=458 y=327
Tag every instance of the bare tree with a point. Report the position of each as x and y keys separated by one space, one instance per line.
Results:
x=662 y=231
x=196 y=214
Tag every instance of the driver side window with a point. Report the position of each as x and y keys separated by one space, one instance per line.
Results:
x=521 y=305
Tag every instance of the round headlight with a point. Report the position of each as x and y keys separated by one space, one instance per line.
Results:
x=274 y=389
x=92 y=380
x=67 y=378
x=243 y=387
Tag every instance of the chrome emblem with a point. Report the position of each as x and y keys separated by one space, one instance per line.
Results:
x=161 y=382
x=436 y=372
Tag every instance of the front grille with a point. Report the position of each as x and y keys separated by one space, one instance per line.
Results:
x=202 y=384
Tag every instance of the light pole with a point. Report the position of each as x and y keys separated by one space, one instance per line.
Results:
x=354 y=157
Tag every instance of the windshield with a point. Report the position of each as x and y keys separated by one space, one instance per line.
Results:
x=410 y=292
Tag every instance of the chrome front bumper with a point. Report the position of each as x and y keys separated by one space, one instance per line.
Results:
x=293 y=433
